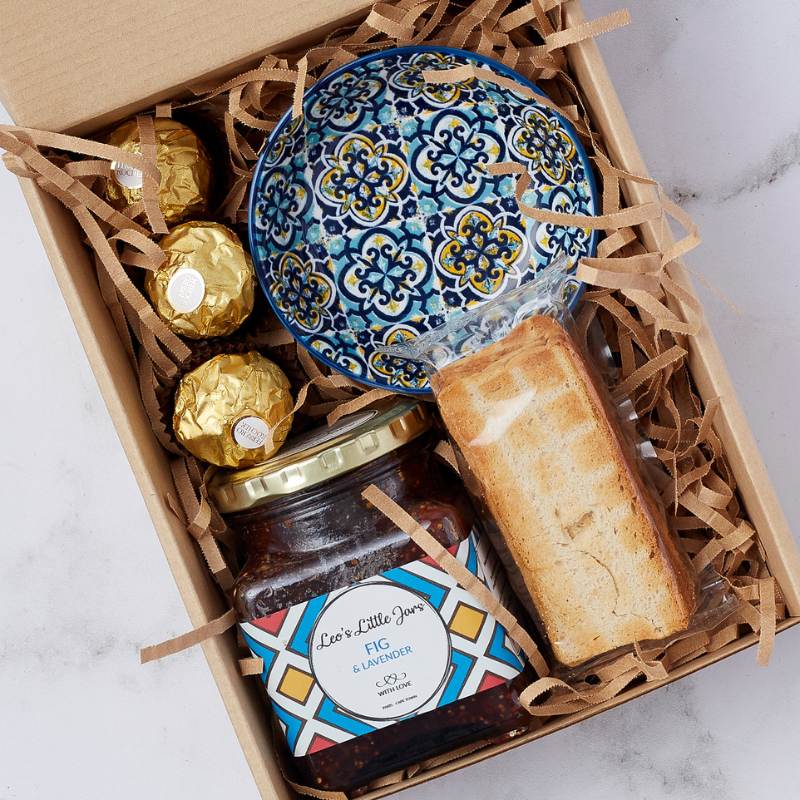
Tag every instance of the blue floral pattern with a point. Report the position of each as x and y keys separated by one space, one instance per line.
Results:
x=411 y=92
x=551 y=240
x=539 y=140
x=448 y=154
x=301 y=291
x=343 y=350
x=385 y=274
x=373 y=216
x=405 y=375
x=290 y=141
x=352 y=100
x=282 y=209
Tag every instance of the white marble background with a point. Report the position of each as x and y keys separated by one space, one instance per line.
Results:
x=711 y=88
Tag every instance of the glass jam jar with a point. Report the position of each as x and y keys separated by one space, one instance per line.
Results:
x=374 y=658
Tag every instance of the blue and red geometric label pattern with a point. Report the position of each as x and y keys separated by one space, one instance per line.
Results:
x=391 y=647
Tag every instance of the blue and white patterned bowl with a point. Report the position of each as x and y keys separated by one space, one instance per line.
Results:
x=372 y=217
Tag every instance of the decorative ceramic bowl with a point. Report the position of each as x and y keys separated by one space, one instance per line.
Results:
x=372 y=217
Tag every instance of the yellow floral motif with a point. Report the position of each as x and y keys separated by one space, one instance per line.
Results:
x=480 y=251
x=301 y=293
x=363 y=178
x=400 y=372
x=541 y=139
x=411 y=80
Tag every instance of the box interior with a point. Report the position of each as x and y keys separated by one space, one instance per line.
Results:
x=76 y=277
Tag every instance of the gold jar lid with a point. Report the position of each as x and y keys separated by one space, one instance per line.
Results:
x=321 y=454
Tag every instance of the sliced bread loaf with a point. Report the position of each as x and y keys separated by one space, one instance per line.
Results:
x=587 y=541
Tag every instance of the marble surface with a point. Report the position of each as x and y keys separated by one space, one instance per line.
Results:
x=711 y=90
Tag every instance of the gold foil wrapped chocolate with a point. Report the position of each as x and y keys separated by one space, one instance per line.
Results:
x=233 y=410
x=206 y=287
x=182 y=161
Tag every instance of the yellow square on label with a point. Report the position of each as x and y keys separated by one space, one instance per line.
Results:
x=467 y=621
x=296 y=684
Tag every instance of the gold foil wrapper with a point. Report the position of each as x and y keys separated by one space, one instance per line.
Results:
x=206 y=287
x=182 y=161
x=233 y=410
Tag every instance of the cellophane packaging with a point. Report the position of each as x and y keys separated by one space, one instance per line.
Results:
x=566 y=483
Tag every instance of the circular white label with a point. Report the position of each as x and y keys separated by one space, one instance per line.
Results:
x=129 y=177
x=380 y=651
x=186 y=290
x=250 y=432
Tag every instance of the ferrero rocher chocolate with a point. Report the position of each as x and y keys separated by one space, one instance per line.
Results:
x=182 y=161
x=206 y=286
x=233 y=410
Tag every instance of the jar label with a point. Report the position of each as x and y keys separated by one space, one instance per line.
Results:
x=390 y=647
x=366 y=664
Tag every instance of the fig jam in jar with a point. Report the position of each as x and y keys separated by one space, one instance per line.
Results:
x=374 y=658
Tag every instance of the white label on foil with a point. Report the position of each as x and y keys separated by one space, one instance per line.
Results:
x=127 y=176
x=380 y=651
x=250 y=432
x=186 y=290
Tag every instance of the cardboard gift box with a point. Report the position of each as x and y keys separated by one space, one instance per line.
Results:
x=125 y=66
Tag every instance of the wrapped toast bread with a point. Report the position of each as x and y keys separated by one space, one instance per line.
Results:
x=589 y=546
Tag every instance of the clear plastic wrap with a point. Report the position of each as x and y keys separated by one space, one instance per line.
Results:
x=563 y=478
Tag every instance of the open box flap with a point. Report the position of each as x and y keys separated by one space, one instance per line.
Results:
x=78 y=65
x=78 y=282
